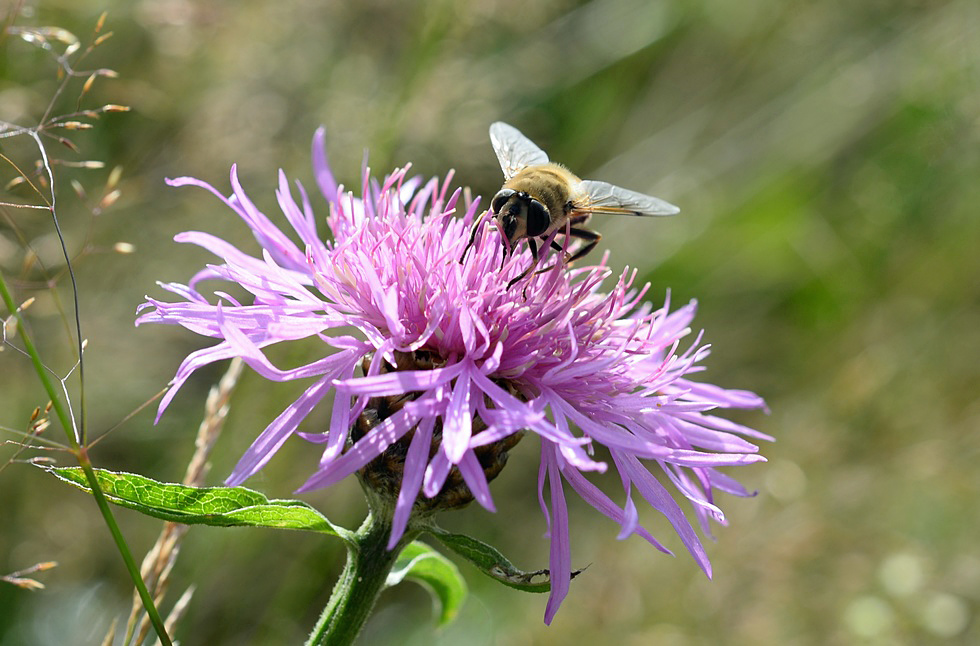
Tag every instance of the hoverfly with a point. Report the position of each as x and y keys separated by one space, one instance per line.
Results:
x=539 y=197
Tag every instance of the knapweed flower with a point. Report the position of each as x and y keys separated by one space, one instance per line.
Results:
x=434 y=365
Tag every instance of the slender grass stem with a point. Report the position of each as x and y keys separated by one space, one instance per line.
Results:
x=81 y=454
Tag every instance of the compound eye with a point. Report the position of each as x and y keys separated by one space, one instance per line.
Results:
x=500 y=199
x=538 y=218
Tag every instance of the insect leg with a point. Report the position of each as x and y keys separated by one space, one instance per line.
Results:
x=584 y=234
x=573 y=232
x=533 y=244
x=505 y=251
x=560 y=248
x=476 y=227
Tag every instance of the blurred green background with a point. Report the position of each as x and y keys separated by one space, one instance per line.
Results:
x=824 y=155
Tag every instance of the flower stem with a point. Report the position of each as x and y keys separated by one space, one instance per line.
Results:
x=368 y=564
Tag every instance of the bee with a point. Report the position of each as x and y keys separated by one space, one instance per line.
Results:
x=539 y=198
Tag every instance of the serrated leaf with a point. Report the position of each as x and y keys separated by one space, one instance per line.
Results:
x=491 y=562
x=420 y=563
x=217 y=506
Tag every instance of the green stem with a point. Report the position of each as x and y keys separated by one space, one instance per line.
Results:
x=368 y=564
x=83 y=460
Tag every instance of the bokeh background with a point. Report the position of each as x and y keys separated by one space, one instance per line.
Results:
x=824 y=155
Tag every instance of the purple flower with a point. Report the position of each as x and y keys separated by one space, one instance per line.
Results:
x=469 y=363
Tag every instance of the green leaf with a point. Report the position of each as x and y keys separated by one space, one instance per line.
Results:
x=420 y=563
x=491 y=562
x=218 y=506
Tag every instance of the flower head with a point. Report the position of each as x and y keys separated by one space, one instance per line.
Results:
x=448 y=367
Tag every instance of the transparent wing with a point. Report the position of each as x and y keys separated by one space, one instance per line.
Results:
x=515 y=152
x=601 y=197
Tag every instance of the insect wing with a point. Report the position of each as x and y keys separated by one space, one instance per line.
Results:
x=515 y=152
x=601 y=197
